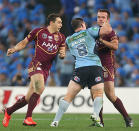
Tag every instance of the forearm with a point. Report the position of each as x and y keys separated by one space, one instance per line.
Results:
x=111 y=45
x=21 y=45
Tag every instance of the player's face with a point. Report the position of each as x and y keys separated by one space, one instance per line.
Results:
x=101 y=18
x=57 y=24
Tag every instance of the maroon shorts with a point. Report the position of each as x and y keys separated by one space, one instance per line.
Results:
x=108 y=72
x=108 y=63
x=35 y=68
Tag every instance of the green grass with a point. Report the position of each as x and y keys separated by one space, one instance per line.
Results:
x=69 y=122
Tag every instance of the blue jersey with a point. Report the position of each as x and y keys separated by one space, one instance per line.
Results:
x=81 y=45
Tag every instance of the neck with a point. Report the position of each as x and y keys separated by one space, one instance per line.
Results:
x=78 y=29
x=51 y=29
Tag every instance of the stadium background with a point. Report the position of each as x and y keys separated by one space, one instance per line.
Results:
x=19 y=17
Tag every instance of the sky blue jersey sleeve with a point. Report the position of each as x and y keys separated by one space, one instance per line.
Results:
x=94 y=31
x=67 y=41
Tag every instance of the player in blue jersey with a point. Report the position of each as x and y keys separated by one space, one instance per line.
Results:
x=88 y=70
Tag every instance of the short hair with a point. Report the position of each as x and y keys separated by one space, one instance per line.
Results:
x=76 y=23
x=105 y=10
x=52 y=17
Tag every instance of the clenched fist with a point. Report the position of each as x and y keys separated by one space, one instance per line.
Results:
x=62 y=54
x=11 y=51
x=107 y=27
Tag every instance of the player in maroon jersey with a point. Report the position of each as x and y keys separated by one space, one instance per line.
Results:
x=105 y=48
x=48 y=43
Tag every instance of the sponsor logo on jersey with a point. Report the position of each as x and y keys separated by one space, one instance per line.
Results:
x=97 y=79
x=50 y=49
x=50 y=38
x=105 y=74
x=56 y=37
x=39 y=69
x=50 y=46
x=76 y=78
x=77 y=37
x=44 y=36
x=95 y=28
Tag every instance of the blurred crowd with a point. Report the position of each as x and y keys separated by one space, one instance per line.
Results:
x=19 y=17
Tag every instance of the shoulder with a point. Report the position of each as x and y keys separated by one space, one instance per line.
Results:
x=37 y=29
x=62 y=36
x=112 y=35
x=68 y=38
x=93 y=28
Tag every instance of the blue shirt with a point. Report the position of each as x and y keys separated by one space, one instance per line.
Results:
x=81 y=45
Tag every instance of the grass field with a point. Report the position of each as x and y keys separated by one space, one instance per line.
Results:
x=70 y=122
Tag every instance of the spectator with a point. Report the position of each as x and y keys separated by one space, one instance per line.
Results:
x=65 y=69
x=18 y=17
x=4 y=81
x=68 y=10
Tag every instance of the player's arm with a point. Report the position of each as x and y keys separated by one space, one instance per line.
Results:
x=62 y=52
x=105 y=29
x=21 y=45
x=112 y=44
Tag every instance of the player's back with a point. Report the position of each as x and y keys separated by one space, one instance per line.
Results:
x=81 y=45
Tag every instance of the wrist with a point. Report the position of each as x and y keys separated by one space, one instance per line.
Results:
x=15 y=49
x=101 y=40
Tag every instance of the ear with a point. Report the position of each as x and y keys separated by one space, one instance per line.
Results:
x=82 y=25
x=108 y=19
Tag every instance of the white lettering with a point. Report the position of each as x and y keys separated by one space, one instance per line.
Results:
x=52 y=46
x=79 y=41
x=43 y=44
x=55 y=47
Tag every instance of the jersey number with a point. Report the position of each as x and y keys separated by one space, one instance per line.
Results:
x=82 y=50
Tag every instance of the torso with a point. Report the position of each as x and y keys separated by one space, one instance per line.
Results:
x=106 y=54
x=46 y=45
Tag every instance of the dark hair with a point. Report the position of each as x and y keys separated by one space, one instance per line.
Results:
x=52 y=17
x=105 y=10
x=76 y=23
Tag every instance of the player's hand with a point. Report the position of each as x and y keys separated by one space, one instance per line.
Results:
x=62 y=54
x=101 y=40
x=11 y=51
x=107 y=27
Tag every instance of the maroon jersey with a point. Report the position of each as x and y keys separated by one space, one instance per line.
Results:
x=107 y=56
x=46 y=48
